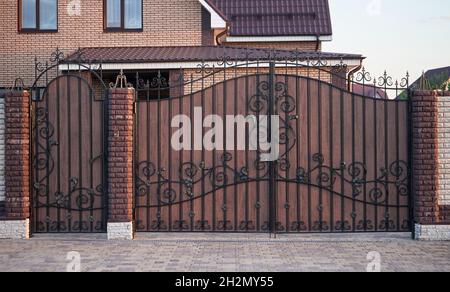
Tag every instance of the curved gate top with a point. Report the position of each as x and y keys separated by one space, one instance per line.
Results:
x=341 y=158
x=343 y=163
x=68 y=161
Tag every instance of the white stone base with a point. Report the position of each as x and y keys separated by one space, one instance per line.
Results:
x=15 y=229
x=120 y=231
x=432 y=232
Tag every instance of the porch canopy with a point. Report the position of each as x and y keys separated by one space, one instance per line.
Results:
x=141 y=58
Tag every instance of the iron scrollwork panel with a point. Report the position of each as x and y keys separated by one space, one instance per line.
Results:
x=79 y=207
x=172 y=190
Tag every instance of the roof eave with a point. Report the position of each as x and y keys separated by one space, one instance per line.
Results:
x=233 y=38
x=218 y=19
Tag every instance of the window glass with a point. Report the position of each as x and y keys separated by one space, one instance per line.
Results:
x=48 y=14
x=29 y=14
x=113 y=14
x=133 y=14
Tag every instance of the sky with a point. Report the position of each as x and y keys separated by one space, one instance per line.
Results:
x=394 y=35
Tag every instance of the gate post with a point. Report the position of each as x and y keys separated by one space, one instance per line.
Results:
x=17 y=166
x=430 y=118
x=272 y=164
x=120 y=163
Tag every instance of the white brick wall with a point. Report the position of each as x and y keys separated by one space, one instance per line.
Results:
x=120 y=231
x=19 y=229
x=444 y=149
x=432 y=232
x=2 y=148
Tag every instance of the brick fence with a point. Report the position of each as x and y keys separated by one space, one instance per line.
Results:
x=2 y=155
x=430 y=116
x=120 y=163
x=430 y=125
x=17 y=166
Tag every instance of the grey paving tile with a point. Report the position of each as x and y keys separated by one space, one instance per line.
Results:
x=225 y=252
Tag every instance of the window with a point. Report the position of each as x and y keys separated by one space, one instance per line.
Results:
x=38 y=15
x=123 y=15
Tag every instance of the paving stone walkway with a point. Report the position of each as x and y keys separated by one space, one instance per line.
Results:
x=226 y=253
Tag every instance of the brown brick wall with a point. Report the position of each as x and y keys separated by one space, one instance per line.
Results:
x=17 y=164
x=120 y=160
x=425 y=173
x=166 y=23
x=2 y=153
x=208 y=36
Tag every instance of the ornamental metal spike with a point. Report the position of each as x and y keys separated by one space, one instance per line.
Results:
x=18 y=85
x=79 y=55
x=56 y=56
x=121 y=81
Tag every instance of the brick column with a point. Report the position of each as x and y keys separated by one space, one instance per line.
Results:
x=120 y=163
x=2 y=155
x=17 y=166
x=431 y=163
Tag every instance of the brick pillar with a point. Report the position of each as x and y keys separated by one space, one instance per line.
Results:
x=17 y=166
x=431 y=163
x=120 y=163
x=2 y=155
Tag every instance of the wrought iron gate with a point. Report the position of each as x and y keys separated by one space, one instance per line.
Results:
x=344 y=157
x=68 y=149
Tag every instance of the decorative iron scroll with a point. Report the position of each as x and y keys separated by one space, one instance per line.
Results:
x=42 y=157
x=64 y=225
x=353 y=174
x=284 y=105
x=223 y=175
x=190 y=174
x=84 y=198
x=44 y=162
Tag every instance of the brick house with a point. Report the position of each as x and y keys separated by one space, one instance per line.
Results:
x=159 y=36
x=148 y=39
x=150 y=35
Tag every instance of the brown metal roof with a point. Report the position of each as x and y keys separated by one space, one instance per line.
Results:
x=275 y=17
x=193 y=54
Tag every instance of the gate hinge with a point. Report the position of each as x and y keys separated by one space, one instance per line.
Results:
x=134 y=107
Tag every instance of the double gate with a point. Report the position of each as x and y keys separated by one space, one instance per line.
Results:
x=343 y=157
x=343 y=163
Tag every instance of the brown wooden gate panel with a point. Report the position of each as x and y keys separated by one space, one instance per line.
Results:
x=343 y=165
x=198 y=190
x=68 y=161
x=346 y=162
